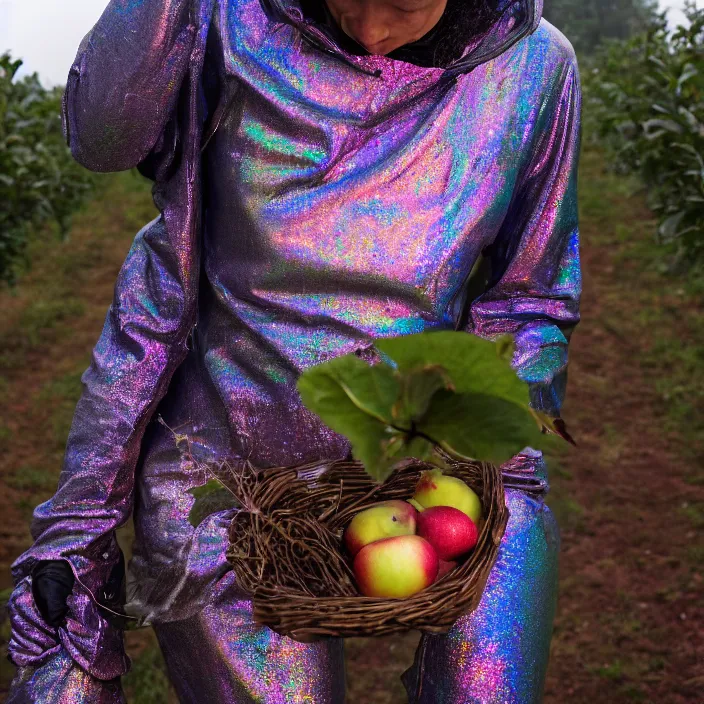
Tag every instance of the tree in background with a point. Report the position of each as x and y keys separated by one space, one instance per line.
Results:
x=645 y=108
x=587 y=22
x=39 y=180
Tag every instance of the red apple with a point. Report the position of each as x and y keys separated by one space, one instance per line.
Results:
x=385 y=520
x=450 y=531
x=395 y=568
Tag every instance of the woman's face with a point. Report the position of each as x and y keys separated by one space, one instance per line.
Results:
x=381 y=26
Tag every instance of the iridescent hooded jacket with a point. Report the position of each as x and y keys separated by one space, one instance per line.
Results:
x=310 y=200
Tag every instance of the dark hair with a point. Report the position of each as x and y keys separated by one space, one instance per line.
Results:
x=463 y=20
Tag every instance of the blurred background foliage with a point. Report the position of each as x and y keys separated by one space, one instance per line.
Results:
x=646 y=109
x=40 y=184
x=587 y=23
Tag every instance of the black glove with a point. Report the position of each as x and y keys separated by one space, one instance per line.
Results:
x=52 y=583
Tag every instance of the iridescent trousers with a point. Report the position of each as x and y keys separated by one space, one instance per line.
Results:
x=498 y=654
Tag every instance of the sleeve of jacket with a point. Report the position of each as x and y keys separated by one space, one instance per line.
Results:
x=535 y=284
x=143 y=341
x=125 y=80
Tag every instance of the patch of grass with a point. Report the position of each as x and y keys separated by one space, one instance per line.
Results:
x=558 y=470
x=569 y=513
x=631 y=626
x=5 y=435
x=147 y=681
x=45 y=315
x=45 y=303
x=613 y=445
x=26 y=506
x=633 y=692
x=695 y=477
x=7 y=669
x=5 y=596
x=611 y=671
x=658 y=304
x=61 y=395
x=669 y=594
x=695 y=513
x=695 y=555
x=77 y=263
x=32 y=479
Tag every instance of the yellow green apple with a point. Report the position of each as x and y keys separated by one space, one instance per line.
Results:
x=396 y=568
x=437 y=489
x=385 y=520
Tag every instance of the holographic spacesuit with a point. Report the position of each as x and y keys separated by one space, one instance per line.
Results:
x=310 y=200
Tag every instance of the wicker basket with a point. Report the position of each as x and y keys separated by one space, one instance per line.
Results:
x=286 y=549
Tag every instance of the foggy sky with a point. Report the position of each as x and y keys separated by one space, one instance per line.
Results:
x=46 y=33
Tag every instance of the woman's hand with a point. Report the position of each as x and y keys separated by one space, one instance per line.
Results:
x=52 y=584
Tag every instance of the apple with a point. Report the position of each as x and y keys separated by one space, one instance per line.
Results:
x=385 y=520
x=396 y=568
x=451 y=532
x=437 y=489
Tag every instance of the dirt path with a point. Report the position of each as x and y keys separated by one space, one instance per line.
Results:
x=630 y=500
x=48 y=329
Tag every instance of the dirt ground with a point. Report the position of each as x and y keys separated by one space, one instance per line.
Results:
x=629 y=499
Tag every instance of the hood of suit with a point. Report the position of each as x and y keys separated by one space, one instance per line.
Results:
x=517 y=19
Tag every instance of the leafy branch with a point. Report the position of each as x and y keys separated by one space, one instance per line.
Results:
x=447 y=389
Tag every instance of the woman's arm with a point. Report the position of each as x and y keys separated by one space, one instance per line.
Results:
x=144 y=340
x=125 y=80
x=535 y=286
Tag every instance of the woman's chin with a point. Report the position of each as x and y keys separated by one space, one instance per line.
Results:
x=381 y=49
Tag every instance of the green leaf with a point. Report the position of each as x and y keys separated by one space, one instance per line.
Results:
x=505 y=347
x=373 y=389
x=343 y=395
x=209 y=499
x=669 y=226
x=417 y=389
x=555 y=426
x=656 y=127
x=389 y=414
x=480 y=426
x=402 y=445
x=419 y=448
x=473 y=365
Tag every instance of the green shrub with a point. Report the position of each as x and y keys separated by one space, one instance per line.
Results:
x=39 y=180
x=645 y=99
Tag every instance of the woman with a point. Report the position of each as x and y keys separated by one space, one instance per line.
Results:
x=326 y=172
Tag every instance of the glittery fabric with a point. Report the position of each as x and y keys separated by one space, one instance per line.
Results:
x=339 y=198
x=58 y=679
x=245 y=663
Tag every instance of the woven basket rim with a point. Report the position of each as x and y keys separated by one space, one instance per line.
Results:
x=304 y=616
